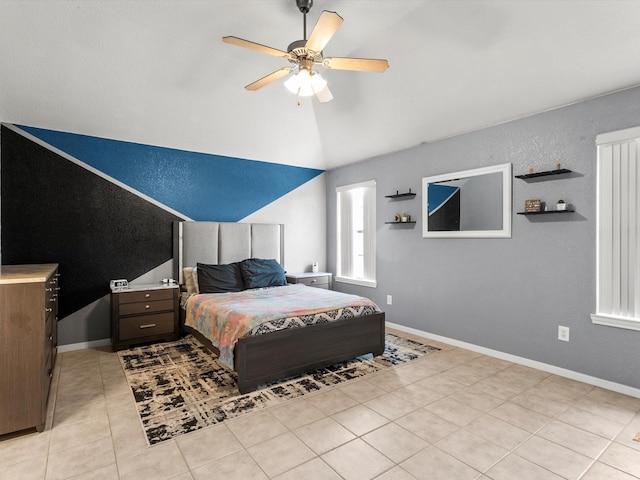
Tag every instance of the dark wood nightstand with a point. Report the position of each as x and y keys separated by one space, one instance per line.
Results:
x=144 y=313
x=318 y=279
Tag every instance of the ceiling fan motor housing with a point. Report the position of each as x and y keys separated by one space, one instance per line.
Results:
x=300 y=51
x=304 y=5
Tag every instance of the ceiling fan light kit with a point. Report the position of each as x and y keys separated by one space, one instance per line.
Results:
x=305 y=54
x=305 y=83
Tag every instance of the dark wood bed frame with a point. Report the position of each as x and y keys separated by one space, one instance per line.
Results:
x=264 y=358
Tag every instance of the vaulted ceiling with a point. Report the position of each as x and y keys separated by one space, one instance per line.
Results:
x=157 y=72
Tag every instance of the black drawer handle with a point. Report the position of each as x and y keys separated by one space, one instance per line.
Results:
x=148 y=325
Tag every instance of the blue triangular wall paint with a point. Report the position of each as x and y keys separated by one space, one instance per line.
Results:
x=200 y=186
x=438 y=195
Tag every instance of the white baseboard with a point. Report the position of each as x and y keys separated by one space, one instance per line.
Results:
x=79 y=346
x=563 y=372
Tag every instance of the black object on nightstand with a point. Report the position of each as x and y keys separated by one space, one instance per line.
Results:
x=144 y=313
x=317 y=279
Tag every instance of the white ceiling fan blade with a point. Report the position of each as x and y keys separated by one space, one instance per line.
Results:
x=324 y=95
x=255 y=46
x=359 y=64
x=325 y=28
x=272 y=77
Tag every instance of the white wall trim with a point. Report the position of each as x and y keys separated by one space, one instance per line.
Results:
x=618 y=136
x=613 y=321
x=563 y=372
x=357 y=281
x=351 y=186
x=82 y=345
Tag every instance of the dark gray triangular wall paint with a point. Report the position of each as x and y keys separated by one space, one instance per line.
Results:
x=55 y=211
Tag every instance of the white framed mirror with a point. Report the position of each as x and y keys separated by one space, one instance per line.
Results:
x=469 y=204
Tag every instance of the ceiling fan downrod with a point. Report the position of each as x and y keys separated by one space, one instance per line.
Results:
x=304 y=6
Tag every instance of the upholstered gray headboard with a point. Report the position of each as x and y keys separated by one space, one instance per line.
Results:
x=224 y=242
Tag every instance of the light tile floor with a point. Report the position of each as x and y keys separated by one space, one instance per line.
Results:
x=453 y=415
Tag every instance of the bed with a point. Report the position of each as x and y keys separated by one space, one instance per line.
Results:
x=262 y=358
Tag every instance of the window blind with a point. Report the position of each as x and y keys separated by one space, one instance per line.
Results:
x=618 y=230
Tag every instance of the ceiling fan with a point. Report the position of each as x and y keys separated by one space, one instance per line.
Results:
x=305 y=54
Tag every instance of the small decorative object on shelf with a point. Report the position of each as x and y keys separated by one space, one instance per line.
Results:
x=530 y=169
x=534 y=205
x=561 y=205
x=558 y=166
x=406 y=217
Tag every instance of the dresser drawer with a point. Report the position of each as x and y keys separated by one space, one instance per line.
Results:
x=145 y=296
x=146 y=325
x=146 y=307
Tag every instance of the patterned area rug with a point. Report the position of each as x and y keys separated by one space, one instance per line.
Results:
x=180 y=386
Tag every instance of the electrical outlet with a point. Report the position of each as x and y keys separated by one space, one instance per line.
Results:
x=563 y=333
x=389 y=300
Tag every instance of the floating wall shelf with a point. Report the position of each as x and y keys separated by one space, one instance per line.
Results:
x=558 y=171
x=545 y=212
x=401 y=196
x=407 y=195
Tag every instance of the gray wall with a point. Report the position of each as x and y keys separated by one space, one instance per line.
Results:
x=508 y=295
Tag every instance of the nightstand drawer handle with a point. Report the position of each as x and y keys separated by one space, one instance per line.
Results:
x=147 y=295
x=148 y=325
x=147 y=307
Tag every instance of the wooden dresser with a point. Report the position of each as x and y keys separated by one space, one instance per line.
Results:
x=28 y=343
x=144 y=313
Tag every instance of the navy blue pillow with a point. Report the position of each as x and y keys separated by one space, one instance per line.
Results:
x=258 y=273
x=219 y=278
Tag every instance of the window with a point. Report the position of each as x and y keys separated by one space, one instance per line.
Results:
x=356 y=226
x=618 y=230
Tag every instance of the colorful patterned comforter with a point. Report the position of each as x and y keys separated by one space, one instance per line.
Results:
x=225 y=317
